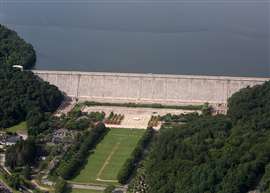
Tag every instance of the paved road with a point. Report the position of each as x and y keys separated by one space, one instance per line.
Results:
x=88 y=187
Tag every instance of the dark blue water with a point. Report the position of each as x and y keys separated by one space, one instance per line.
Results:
x=177 y=37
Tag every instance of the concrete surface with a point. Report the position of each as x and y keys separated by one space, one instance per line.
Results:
x=147 y=88
x=134 y=117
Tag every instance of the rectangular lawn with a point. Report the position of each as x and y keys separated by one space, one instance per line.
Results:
x=111 y=153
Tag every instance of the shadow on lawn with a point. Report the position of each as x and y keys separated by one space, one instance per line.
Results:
x=92 y=151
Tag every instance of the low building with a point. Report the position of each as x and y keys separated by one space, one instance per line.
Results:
x=9 y=140
x=12 y=140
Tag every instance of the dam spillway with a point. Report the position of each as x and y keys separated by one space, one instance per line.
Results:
x=147 y=88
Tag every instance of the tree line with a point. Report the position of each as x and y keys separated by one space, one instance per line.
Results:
x=131 y=163
x=75 y=157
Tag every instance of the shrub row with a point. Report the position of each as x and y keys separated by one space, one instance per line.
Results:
x=114 y=119
x=153 y=105
x=75 y=157
x=61 y=186
x=153 y=122
x=130 y=164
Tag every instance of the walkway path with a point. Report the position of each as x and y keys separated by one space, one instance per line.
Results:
x=87 y=187
x=107 y=161
x=39 y=186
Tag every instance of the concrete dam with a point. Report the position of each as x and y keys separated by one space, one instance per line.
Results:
x=147 y=88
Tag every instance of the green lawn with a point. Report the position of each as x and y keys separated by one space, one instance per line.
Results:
x=111 y=153
x=85 y=191
x=20 y=128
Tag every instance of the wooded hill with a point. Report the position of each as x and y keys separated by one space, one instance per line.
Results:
x=23 y=96
x=14 y=50
x=223 y=154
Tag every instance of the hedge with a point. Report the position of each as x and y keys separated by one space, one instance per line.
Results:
x=131 y=163
x=75 y=157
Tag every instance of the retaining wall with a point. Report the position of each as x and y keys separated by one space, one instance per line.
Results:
x=147 y=88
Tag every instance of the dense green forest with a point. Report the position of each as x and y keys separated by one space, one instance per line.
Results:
x=21 y=154
x=23 y=96
x=222 y=154
x=14 y=50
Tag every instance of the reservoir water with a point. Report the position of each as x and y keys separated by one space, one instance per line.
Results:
x=207 y=37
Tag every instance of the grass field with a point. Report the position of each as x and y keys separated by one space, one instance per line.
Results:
x=111 y=153
x=85 y=191
x=20 y=128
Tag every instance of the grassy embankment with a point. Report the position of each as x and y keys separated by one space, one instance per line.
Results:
x=20 y=128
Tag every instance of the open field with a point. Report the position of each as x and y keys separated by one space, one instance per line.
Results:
x=85 y=191
x=20 y=128
x=104 y=164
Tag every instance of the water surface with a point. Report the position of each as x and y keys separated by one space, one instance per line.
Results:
x=176 y=37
